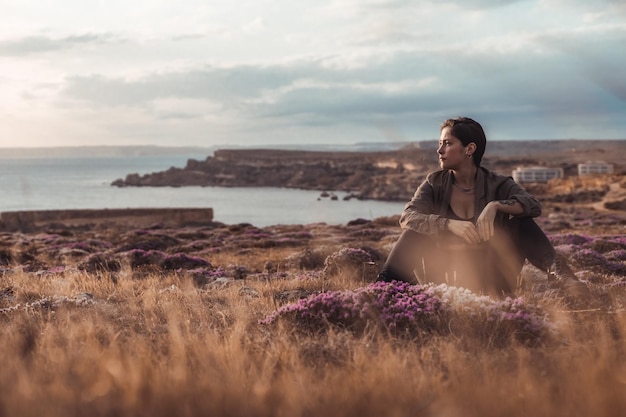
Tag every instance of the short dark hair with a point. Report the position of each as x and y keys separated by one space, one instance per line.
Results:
x=468 y=130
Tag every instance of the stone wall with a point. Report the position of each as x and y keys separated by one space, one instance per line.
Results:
x=135 y=217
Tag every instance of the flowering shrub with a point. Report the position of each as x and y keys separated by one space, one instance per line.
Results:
x=303 y=234
x=599 y=254
x=255 y=233
x=396 y=306
x=87 y=246
x=287 y=241
x=566 y=250
x=495 y=320
x=182 y=261
x=589 y=258
x=616 y=255
x=354 y=260
x=616 y=268
x=606 y=245
x=140 y=257
x=238 y=271
x=402 y=306
x=99 y=262
x=194 y=246
x=305 y=260
x=569 y=239
x=150 y=242
x=620 y=240
x=419 y=310
x=368 y=234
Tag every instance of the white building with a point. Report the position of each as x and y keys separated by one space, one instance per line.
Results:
x=594 y=168
x=536 y=174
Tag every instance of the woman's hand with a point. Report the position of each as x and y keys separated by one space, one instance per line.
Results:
x=484 y=224
x=465 y=230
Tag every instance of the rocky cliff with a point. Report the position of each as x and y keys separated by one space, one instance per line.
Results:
x=388 y=175
x=391 y=175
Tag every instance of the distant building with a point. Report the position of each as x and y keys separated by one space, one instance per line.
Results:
x=594 y=168
x=536 y=174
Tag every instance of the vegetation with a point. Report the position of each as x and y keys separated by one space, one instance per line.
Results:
x=302 y=342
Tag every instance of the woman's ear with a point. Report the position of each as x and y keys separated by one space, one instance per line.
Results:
x=470 y=148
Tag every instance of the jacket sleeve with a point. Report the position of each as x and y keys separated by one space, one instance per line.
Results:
x=419 y=213
x=510 y=190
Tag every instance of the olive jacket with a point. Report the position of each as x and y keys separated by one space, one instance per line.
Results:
x=431 y=200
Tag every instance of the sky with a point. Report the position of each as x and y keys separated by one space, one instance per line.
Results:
x=281 y=72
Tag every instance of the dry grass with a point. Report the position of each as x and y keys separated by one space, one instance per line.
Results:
x=161 y=346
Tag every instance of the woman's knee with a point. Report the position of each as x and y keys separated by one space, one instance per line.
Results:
x=404 y=256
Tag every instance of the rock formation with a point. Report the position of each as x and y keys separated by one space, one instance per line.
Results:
x=366 y=175
x=388 y=175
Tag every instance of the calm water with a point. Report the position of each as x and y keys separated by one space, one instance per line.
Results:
x=78 y=183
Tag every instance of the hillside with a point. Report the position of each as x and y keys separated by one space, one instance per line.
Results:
x=389 y=175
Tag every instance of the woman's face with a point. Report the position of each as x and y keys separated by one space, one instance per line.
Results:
x=451 y=151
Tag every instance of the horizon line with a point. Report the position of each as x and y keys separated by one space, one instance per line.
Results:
x=283 y=144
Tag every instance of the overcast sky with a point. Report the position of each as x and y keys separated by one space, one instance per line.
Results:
x=208 y=72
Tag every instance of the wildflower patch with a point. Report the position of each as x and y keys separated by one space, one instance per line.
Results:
x=416 y=311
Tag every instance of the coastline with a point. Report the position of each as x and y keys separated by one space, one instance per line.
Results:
x=389 y=175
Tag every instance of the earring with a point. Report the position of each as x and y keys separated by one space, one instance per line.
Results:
x=469 y=155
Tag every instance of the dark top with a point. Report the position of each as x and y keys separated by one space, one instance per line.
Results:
x=453 y=216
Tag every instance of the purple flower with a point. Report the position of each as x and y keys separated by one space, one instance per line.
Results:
x=569 y=239
x=616 y=255
x=396 y=306
x=348 y=259
x=416 y=311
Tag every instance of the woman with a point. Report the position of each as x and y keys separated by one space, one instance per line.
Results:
x=471 y=227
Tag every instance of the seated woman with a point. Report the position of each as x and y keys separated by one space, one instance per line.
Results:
x=471 y=227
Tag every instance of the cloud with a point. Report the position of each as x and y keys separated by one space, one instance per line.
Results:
x=225 y=84
x=367 y=6
x=175 y=108
x=257 y=25
x=485 y=4
x=357 y=68
x=40 y=44
x=596 y=52
x=317 y=85
x=401 y=87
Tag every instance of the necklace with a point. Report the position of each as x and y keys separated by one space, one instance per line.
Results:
x=463 y=189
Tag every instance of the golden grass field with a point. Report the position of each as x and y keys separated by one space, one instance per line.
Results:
x=86 y=333
x=79 y=344
x=154 y=340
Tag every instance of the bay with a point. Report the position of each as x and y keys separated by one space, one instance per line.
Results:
x=84 y=183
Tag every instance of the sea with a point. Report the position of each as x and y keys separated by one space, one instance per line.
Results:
x=61 y=182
